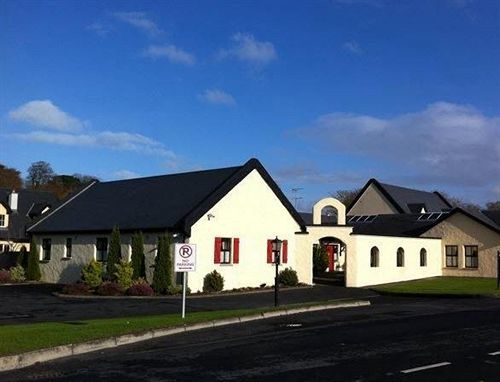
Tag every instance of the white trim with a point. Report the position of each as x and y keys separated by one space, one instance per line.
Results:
x=61 y=206
x=434 y=365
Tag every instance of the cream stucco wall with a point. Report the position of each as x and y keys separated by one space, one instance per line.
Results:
x=316 y=233
x=3 y=211
x=251 y=212
x=372 y=202
x=359 y=273
x=461 y=230
x=60 y=269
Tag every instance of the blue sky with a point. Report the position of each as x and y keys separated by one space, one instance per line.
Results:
x=327 y=94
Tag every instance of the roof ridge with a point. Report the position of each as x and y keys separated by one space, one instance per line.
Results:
x=173 y=174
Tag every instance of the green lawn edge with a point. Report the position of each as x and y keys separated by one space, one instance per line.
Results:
x=22 y=338
x=443 y=285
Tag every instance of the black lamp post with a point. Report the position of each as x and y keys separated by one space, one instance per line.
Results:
x=276 y=253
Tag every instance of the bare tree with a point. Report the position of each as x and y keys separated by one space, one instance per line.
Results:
x=346 y=196
x=39 y=174
x=493 y=206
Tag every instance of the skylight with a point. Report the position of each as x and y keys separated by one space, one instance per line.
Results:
x=430 y=216
x=362 y=218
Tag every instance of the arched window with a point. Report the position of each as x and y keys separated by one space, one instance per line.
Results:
x=423 y=257
x=374 y=257
x=400 y=257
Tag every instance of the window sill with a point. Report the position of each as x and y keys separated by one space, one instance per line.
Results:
x=226 y=264
x=65 y=258
x=470 y=269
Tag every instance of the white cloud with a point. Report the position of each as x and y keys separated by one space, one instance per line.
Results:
x=444 y=144
x=216 y=96
x=45 y=114
x=125 y=174
x=353 y=47
x=121 y=141
x=99 y=29
x=171 y=53
x=246 y=48
x=140 y=21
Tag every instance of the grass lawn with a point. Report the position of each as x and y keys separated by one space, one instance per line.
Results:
x=15 y=339
x=444 y=285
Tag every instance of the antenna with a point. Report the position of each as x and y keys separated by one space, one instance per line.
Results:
x=296 y=198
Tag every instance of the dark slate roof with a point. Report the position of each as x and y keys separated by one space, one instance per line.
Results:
x=407 y=200
x=409 y=225
x=325 y=219
x=30 y=206
x=494 y=216
x=403 y=225
x=172 y=202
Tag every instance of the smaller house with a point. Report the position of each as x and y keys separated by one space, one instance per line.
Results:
x=469 y=240
x=18 y=209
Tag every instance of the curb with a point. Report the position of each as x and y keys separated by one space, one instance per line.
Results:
x=173 y=297
x=19 y=361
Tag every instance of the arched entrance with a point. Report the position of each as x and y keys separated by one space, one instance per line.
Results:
x=336 y=251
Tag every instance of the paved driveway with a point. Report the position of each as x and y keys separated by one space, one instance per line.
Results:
x=35 y=303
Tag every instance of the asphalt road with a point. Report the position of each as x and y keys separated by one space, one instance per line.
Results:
x=395 y=339
x=35 y=303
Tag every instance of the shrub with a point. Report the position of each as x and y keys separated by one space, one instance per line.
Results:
x=288 y=277
x=33 y=271
x=22 y=258
x=109 y=288
x=114 y=254
x=92 y=274
x=77 y=289
x=213 y=282
x=320 y=259
x=17 y=274
x=140 y=287
x=123 y=274
x=4 y=276
x=137 y=258
x=163 y=272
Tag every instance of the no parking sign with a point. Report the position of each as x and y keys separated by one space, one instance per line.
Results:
x=185 y=257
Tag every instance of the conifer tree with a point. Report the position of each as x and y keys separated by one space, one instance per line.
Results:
x=137 y=258
x=33 y=272
x=163 y=274
x=114 y=253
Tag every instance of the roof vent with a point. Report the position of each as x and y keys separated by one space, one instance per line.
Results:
x=13 y=200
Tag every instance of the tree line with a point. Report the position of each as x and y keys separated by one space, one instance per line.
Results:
x=41 y=177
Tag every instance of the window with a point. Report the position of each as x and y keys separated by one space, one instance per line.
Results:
x=423 y=257
x=4 y=248
x=226 y=250
x=471 y=258
x=2 y=220
x=69 y=247
x=101 y=247
x=374 y=257
x=46 y=246
x=400 y=257
x=452 y=256
x=271 y=251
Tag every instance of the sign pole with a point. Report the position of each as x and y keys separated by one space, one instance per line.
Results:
x=498 y=269
x=185 y=261
x=184 y=294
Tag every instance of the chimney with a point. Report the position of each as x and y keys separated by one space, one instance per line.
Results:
x=13 y=199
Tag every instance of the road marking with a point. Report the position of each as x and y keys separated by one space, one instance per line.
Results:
x=495 y=353
x=434 y=365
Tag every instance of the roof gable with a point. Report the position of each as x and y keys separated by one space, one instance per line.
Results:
x=174 y=201
x=406 y=200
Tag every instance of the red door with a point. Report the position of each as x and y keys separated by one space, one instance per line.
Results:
x=332 y=251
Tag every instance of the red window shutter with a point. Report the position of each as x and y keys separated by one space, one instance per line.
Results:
x=217 y=247
x=285 y=251
x=269 y=251
x=236 y=250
